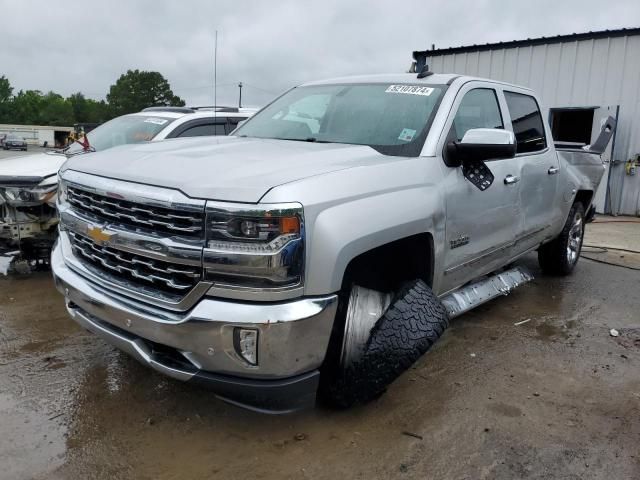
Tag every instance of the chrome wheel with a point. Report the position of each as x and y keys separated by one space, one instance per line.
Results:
x=574 y=242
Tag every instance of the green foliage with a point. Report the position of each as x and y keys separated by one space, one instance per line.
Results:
x=5 y=98
x=132 y=92
x=55 y=110
x=87 y=110
x=137 y=89
x=25 y=107
x=5 y=89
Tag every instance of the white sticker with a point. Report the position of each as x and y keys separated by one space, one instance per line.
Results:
x=407 y=134
x=157 y=121
x=409 y=90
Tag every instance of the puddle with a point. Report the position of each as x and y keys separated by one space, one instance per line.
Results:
x=26 y=430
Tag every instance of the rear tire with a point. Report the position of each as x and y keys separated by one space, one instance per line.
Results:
x=560 y=256
x=413 y=322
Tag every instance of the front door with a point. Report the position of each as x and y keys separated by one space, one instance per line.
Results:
x=480 y=225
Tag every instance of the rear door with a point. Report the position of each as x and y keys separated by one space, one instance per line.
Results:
x=539 y=169
x=480 y=225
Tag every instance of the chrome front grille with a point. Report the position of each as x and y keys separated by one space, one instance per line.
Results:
x=129 y=214
x=136 y=272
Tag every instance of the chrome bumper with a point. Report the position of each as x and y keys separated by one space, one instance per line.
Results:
x=292 y=340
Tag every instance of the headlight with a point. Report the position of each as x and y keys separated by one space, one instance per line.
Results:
x=62 y=192
x=251 y=246
x=29 y=196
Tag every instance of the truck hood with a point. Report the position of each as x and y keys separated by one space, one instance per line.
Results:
x=40 y=165
x=223 y=168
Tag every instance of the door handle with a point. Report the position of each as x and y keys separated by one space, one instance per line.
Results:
x=552 y=170
x=510 y=180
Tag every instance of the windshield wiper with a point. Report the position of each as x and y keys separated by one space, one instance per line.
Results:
x=308 y=139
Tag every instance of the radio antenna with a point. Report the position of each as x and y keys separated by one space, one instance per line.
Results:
x=215 y=77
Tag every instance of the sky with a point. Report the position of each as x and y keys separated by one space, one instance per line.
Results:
x=68 y=46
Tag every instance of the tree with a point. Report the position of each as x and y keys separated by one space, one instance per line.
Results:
x=97 y=112
x=79 y=106
x=87 y=110
x=55 y=110
x=6 y=91
x=25 y=107
x=137 y=89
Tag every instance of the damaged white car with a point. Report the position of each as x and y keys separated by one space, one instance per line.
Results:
x=28 y=184
x=28 y=190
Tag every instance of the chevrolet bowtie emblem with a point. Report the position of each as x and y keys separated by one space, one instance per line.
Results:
x=99 y=235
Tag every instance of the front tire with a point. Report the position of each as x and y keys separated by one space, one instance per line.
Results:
x=411 y=324
x=560 y=256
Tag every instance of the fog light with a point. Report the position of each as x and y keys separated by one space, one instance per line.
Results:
x=245 y=342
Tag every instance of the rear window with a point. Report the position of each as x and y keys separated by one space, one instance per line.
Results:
x=526 y=118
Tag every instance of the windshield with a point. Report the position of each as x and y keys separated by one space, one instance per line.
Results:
x=393 y=119
x=122 y=130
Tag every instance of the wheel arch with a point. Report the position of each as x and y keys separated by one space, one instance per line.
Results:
x=585 y=197
x=387 y=266
x=395 y=224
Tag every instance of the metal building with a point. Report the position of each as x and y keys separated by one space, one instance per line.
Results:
x=38 y=134
x=581 y=78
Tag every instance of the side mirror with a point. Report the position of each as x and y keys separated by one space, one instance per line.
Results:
x=480 y=144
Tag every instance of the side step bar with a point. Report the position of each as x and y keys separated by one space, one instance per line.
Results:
x=481 y=291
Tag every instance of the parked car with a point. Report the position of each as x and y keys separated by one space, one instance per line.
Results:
x=324 y=246
x=28 y=184
x=14 y=142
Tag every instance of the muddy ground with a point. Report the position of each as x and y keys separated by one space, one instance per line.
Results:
x=555 y=397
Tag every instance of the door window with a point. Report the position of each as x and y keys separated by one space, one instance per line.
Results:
x=204 y=130
x=527 y=122
x=479 y=108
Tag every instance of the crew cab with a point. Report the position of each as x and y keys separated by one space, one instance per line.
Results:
x=324 y=246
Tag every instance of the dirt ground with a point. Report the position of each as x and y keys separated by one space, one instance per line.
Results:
x=555 y=397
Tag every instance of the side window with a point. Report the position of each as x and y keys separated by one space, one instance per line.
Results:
x=208 y=129
x=220 y=130
x=527 y=122
x=479 y=108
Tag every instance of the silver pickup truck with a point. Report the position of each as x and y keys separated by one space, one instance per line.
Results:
x=324 y=246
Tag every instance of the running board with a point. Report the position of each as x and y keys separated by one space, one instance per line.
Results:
x=470 y=296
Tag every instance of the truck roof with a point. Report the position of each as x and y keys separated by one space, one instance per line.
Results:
x=434 y=79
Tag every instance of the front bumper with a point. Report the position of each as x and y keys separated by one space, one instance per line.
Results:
x=197 y=345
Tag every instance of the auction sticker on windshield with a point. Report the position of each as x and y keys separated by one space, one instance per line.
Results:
x=407 y=134
x=409 y=90
x=157 y=121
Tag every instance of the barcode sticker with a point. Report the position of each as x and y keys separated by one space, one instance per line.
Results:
x=409 y=90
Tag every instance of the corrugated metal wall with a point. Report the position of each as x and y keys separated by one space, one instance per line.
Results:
x=595 y=72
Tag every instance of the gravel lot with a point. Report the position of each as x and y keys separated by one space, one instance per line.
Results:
x=554 y=397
